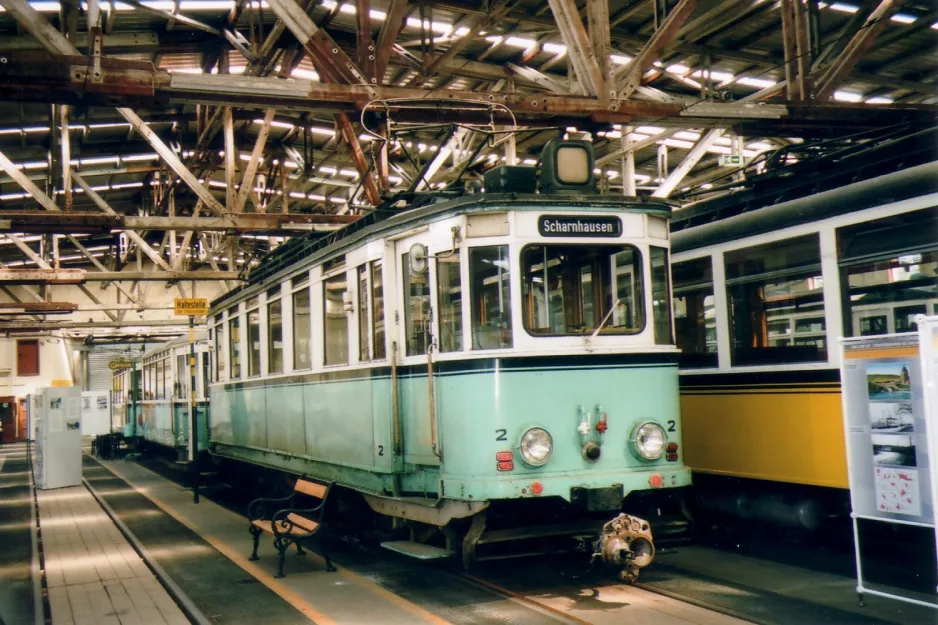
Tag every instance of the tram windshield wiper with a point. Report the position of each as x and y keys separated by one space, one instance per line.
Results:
x=605 y=319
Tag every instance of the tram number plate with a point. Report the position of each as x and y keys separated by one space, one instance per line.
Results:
x=578 y=226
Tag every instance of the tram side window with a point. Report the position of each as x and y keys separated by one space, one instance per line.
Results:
x=660 y=295
x=160 y=387
x=301 y=329
x=275 y=336
x=220 y=351
x=335 y=319
x=490 y=292
x=254 y=342
x=776 y=301
x=364 y=350
x=377 y=310
x=180 y=386
x=416 y=307
x=695 y=313
x=234 y=338
x=889 y=273
x=449 y=290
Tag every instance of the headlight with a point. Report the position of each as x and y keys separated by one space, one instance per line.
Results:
x=650 y=440
x=536 y=447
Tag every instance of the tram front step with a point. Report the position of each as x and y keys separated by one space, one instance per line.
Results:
x=416 y=550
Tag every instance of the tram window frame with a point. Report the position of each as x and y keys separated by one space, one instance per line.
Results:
x=234 y=347
x=478 y=314
x=597 y=304
x=252 y=319
x=698 y=288
x=416 y=340
x=661 y=308
x=378 y=325
x=872 y=245
x=363 y=306
x=221 y=360
x=450 y=293
x=335 y=353
x=800 y=263
x=274 y=353
x=302 y=358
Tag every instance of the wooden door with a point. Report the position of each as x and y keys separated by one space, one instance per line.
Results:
x=21 y=433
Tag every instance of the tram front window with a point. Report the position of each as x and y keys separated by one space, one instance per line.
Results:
x=574 y=289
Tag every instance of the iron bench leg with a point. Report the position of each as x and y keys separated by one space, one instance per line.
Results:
x=257 y=538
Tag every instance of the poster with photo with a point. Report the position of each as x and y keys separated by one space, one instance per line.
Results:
x=897 y=491
x=894 y=450
x=891 y=417
x=888 y=381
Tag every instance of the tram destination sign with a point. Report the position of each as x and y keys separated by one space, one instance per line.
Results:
x=578 y=226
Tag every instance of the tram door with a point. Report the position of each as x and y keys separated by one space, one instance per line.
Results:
x=415 y=275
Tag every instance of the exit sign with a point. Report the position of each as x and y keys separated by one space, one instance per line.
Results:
x=731 y=160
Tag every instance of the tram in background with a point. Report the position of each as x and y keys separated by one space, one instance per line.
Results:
x=761 y=297
x=492 y=368
x=159 y=414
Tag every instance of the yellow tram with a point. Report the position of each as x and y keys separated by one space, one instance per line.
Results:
x=761 y=298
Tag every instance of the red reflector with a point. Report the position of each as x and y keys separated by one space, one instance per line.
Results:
x=672 y=457
x=537 y=488
x=506 y=466
x=656 y=481
x=504 y=456
x=672 y=447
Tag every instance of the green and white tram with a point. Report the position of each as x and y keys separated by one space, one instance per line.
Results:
x=159 y=413
x=472 y=365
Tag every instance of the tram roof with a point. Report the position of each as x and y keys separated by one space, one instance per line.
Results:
x=310 y=250
x=892 y=187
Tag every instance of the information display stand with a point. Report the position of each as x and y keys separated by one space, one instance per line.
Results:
x=891 y=464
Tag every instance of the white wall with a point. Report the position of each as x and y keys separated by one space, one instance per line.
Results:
x=54 y=354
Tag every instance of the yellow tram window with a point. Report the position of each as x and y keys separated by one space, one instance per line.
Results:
x=770 y=288
x=889 y=272
x=695 y=312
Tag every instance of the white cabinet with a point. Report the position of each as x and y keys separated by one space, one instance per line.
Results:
x=58 y=438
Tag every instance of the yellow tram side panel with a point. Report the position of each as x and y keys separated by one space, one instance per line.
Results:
x=788 y=434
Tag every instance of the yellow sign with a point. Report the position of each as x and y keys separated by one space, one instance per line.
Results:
x=191 y=306
x=119 y=364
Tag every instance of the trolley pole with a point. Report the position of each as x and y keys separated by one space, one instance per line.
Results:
x=192 y=306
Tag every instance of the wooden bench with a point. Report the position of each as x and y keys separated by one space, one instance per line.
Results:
x=289 y=524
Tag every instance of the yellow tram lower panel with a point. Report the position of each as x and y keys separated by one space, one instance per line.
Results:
x=793 y=435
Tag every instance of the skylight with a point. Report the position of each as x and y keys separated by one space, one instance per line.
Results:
x=847 y=96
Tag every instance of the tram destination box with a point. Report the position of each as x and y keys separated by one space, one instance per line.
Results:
x=511 y=179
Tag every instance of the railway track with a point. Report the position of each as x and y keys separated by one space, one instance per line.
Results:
x=693 y=584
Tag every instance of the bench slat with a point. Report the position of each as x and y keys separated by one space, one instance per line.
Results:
x=302 y=522
x=311 y=488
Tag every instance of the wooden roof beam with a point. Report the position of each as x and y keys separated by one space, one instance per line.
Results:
x=833 y=76
x=629 y=77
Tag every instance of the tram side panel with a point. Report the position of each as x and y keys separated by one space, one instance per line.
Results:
x=791 y=434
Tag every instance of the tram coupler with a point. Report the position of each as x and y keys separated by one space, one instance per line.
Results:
x=625 y=545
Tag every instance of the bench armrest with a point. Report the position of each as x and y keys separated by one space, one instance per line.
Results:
x=258 y=508
x=283 y=526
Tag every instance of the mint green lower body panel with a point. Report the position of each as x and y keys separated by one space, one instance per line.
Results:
x=167 y=423
x=338 y=425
